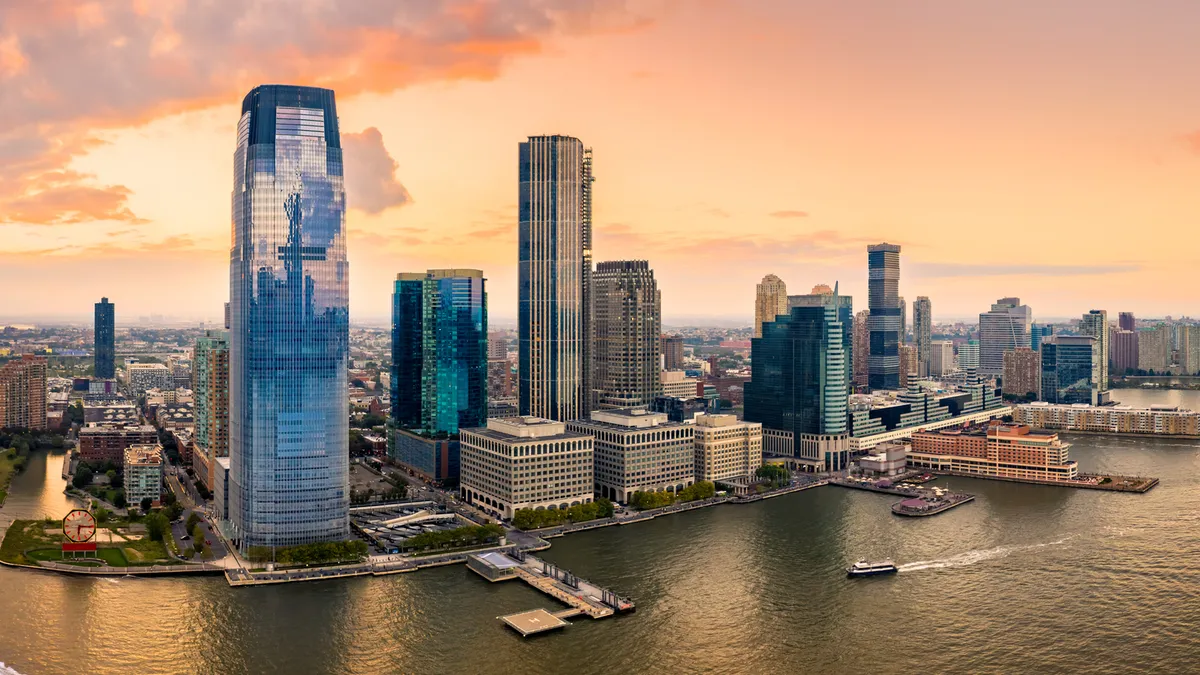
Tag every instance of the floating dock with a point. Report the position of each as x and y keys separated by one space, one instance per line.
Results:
x=533 y=622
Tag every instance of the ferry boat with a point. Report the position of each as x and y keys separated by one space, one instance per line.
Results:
x=864 y=568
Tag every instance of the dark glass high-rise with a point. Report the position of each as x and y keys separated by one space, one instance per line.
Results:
x=104 y=364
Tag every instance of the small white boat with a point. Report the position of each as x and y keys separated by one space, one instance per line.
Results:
x=865 y=568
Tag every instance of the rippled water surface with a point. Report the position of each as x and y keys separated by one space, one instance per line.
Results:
x=1025 y=579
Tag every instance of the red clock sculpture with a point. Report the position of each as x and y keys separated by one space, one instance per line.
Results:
x=79 y=527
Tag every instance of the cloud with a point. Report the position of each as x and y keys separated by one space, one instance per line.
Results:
x=371 y=183
x=946 y=270
x=63 y=197
x=789 y=214
x=70 y=68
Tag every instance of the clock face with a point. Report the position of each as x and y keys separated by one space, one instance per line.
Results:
x=79 y=526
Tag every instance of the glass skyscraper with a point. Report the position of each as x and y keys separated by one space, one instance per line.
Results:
x=104 y=365
x=1070 y=369
x=554 y=272
x=885 y=323
x=289 y=322
x=439 y=350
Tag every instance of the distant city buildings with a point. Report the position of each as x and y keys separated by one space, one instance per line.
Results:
x=1123 y=351
x=1022 y=373
x=1070 y=369
x=1095 y=324
x=143 y=468
x=941 y=357
x=884 y=324
x=210 y=387
x=146 y=376
x=100 y=443
x=554 y=277
x=638 y=451
x=861 y=347
x=727 y=449
x=968 y=356
x=1126 y=321
x=994 y=451
x=909 y=364
x=1189 y=349
x=770 y=300
x=1111 y=419
x=1037 y=333
x=627 y=334
x=1154 y=349
x=672 y=352
x=676 y=384
x=499 y=369
x=23 y=393
x=1006 y=326
x=104 y=363
x=923 y=332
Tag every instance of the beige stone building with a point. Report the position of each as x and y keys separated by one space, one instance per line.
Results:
x=727 y=449
x=770 y=300
x=1022 y=372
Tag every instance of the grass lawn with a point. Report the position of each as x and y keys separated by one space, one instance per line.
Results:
x=6 y=473
x=24 y=535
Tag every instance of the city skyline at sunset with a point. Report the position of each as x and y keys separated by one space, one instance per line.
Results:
x=1049 y=153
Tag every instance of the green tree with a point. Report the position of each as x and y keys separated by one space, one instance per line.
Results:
x=146 y=504
x=173 y=511
x=83 y=477
x=119 y=500
x=192 y=520
x=157 y=526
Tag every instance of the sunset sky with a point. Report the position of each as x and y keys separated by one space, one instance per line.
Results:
x=1047 y=150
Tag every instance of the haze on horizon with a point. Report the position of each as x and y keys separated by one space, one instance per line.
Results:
x=1046 y=152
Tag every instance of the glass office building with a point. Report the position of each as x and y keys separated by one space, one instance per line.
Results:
x=289 y=322
x=1070 y=369
x=885 y=324
x=104 y=365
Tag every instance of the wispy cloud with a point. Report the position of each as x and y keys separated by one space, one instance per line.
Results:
x=371 y=184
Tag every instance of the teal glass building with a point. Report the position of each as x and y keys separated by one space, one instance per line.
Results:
x=289 y=323
x=1070 y=369
x=104 y=363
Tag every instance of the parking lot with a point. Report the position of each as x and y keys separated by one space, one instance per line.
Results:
x=386 y=527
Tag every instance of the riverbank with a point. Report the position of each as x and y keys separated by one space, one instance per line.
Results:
x=1133 y=484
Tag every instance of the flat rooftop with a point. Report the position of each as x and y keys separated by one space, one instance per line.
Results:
x=498 y=560
x=533 y=621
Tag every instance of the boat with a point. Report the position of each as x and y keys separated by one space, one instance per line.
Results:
x=865 y=568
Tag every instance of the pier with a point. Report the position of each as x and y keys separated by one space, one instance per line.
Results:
x=918 y=501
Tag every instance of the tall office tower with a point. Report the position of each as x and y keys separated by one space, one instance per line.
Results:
x=1022 y=372
x=554 y=273
x=627 y=329
x=672 y=351
x=227 y=316
x=1189 y=349
x=922 y=332
x=883 y=363
x=1154 y=348
x=861 y=347
x=1004 y=327
x=903 y=320
x=909 y=365
x=770 y=300
x=439 y=350
x=941 y=357
x=289 y=323
x=104 y=366
x=1123 y=352
x=1070 y=369
x=1039 y=332
x=798 y=384
x=1095 y=324
x=824 y=296
x=210 y=407
x=497 y=347
x=1125 y=321
x=968 y=355
x=23 y=393
x=499 y=370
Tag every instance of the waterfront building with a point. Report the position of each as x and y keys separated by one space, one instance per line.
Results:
x=1095 y=324
x=727 y=449
x=1006 y=326
x=1022 y=373
x=525 y=463
x=1154 y=349
x=1126 y=321
x=638 y=451
x=143 y=473
x=824 y=296
x=100 y=443
x=1123 y=351
x=941 y=357
x=884 y=324
x=798 y=384
x=104 y=361
x=860 y=351
x=677 y=384
x=1161 y=420
x=627 y=334
x=146 y=376
x=554 y=273
x=889 y=459
x=887 y=416
x=289 y=322
x=909 y=364
x=434 y=458
x=968 y=355
x=1037 y=333
x=672 y=352
x=1070 y=369
x=210 y=391
x=995 y=451
x=439 y=350
x=770 y=300
x=923 y=332
x=1189 y=349
x=23 y=393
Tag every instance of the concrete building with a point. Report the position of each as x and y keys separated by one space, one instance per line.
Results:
x=1189 y=349
x=143 y=376
x=923 y=332
x=672 y=352
x=1022 y=372
x=676 y=384
x=1126 y=321
x=638 y=451
x=143 y=473
x=909 y=364
x=437 y=460
x=861 y=351
x=680 y=409
x=1154 y=349
x=100 y=443
x=888 y=459
x=968 y=356
x=1123 y=351
x=23 y=393
x=1071 y=369
x=1095 y=324
x=1037 y=333
x=499 y=369
x=627 y=334
x=903 y=320
x=525 y=463
x=1005 y=327
x=220 y=488
x=994 y=451
x=770 y=300
x=885 y=322
x=210 y=386
x=1111 y=419
x=727 y=450
x=104 y=361
x=941 y=357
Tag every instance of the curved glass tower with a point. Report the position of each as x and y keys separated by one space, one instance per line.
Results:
x=289 y=322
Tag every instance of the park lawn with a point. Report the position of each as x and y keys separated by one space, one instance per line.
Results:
x=7 y=470
x=23 y=535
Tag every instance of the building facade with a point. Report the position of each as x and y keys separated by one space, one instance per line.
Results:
x=968 y=355
x=143 y=473
x=910 y=364
x=638 y=451
x=994 y=451
x=824 y=296
x=770 y=300
x=104 y=363
x=210 y=390
x=1154 y=349
x=1022 y=372
x=23 y=393
x=627 y=334
x=436 y=460
x=860 y=348
x=1037 y=333
x=1070 y=369
x=1123 y=352
x=727 y=449
x=922 y=332
x=884 y=325
x=554 y=272
x=1111 y=419
x=672 y=352
x=941 y=357
x=289 y=322
x=1125 y=321
x=1095 y=324
x=1189 y=349
x=525 y=463
x=100 y=443
x=676 y=384
x=1005 y=327
x=146 y=376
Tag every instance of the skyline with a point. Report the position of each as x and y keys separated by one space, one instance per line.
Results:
x=916 y=128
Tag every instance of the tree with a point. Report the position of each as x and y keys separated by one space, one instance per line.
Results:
x=191 y=521
x=119 y=500
x=157 y=526
x=146 y=503
x=83 y=477
x=102 y=515
x=173 y=511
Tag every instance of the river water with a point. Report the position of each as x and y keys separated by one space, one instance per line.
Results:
x=1026 y=579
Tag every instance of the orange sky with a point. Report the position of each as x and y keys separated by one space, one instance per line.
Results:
x=1047 y=152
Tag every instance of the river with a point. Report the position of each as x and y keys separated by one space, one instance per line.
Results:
x=1025 y=579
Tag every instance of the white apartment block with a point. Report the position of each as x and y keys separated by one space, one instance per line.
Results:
x=143 y=473
x=676 y=384
x=143 y=376
x=726 y=448
x=1118 y=419
x=524 y=463
x=638 y=451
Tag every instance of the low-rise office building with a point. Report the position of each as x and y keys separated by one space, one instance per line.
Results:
x=994 y=451
x=99 y=443
x=726 y=448
x=525 y=463
x=433 y=459
x=143 y=473
x=889 y=459
x=638 y=451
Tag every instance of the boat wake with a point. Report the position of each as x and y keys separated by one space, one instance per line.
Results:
x=972 y=557
x=109 y=580
x=5 y=670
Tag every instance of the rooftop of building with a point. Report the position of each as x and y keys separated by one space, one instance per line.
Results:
x=143 y=455
x=992 y=428
x=714 y=420
x=628 y=419
x=519 y=429
x=111 y=427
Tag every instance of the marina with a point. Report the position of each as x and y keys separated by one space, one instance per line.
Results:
x=918 y=501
